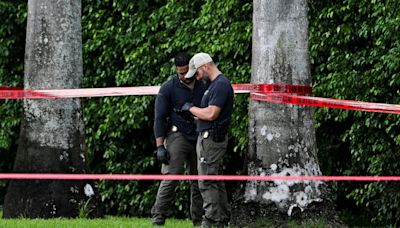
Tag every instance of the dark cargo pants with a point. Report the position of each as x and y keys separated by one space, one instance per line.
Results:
x=216 y=207
x=183 y=155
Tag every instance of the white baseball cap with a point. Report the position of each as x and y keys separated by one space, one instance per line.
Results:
x=197 y=61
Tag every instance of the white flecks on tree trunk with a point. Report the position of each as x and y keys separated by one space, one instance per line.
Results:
x=282 y=137
x=53 y=60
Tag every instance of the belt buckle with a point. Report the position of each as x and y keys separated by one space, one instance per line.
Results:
x=174 y=129
x=206 y=134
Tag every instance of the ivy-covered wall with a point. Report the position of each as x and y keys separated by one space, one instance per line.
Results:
x=354 y=47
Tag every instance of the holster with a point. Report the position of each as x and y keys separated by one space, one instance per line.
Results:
x=217 y=132
x=217 y=136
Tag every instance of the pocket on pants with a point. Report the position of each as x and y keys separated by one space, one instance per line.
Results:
x=210 y=155
x=212 y=169
x=214 y=151
x=171 y=136
x=208 y=169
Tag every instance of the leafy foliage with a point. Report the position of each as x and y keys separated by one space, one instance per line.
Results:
x=354 y=52
x=355 y=49
x=12 y=39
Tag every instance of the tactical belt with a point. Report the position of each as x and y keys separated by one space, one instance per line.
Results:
x=215 y=136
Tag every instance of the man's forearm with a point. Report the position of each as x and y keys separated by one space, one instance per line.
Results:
x=209 y=113
x=159 y=141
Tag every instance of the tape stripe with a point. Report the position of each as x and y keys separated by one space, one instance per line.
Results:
x=17 y=93
x=76 y=93
x=327 y=102
x=50 y=176
x=272 y=88
x=260 y=92
x=11 y=88
x=20 y=94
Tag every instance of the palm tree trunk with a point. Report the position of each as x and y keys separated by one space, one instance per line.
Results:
x=52 y=133
x=282 y=137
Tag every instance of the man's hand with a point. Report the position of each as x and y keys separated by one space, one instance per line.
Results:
x=186 y=106
x=162 y=154
x=184 y=114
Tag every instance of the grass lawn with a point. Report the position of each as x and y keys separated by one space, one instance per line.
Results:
x=122 y=222
x=88 y=223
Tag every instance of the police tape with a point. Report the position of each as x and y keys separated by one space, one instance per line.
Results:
x=326 y=102
x=61 y=176
x=78 y=93
x=272 y=88
x=19 y=93
x=11 y=88
x=261 y=92
x=277 y=93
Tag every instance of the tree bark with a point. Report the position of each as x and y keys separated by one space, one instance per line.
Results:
x=52 y=132
x=282 y=137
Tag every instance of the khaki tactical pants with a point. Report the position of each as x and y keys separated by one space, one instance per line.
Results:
x=183 y=155
x=216 y=206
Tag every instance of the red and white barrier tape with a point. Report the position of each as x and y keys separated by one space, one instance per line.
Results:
x=20 y=94
x=50 y=176
x=17 y=93
x=11 y=88
x=272 y=88
x=278 y=93
x=76 y=93
x=261 y=92
x=326 y=102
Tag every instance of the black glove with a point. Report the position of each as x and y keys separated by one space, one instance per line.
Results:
x=186 y=106
x=184 y=114
x=162 y=154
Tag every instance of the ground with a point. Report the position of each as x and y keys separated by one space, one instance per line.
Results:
x=255 y=215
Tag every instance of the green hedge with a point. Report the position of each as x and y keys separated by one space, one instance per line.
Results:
x=354 y=48
x=12 y=48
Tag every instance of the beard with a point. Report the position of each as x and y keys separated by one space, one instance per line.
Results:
x=206 y=78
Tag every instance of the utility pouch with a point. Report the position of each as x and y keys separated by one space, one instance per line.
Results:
x=218 y=137
x=218 y=133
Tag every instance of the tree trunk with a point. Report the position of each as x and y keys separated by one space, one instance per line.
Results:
x=282 y=137
x=52 y=133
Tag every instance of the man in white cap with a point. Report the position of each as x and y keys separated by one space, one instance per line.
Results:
x=214 y=117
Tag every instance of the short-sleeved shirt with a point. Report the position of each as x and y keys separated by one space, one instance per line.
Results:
x=173 y=94
x=219 y=93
